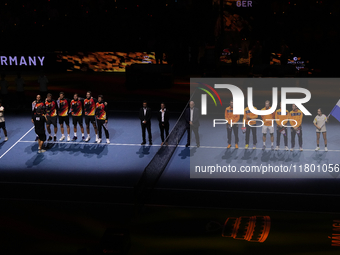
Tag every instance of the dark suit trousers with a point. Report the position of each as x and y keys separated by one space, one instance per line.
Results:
x=147 y=126
x=195 y=130
x=164 y=128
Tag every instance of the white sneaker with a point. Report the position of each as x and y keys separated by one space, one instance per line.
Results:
x=108 y=141
x=6 y=139
x=317 y=148
x=286 y=148
x=62 y=138
x=68 y=138
x=291 y=149
x=277 y=148
x=326 y=149
x=87 y=138
x=41 y=151
x=301 y=149
x=99 y=140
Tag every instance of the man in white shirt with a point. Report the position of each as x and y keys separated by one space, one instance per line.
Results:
x=145 y=118
x=163 y=120
x=192 y=123
x=42 y=80
x=2 y=121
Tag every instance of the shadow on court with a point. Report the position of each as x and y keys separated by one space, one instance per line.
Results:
x=2 y=143
x=185 y=153
x=296 y=157
x=143 y=151
x=10 y=134
x=229 y=155
x=280 y=156
x=320 y=157
x=249 y=156
x=266 y=156
x=85 y=150
x=36 y=160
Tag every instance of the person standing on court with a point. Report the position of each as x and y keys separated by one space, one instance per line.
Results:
x=281 y=121
x=2 y=121
x=63 y=111
x=268 y=126
x=89 y=111
x=192 y=123
x=35 y=104
x=77 y=115
x=249 y=119
x=39 y=121
x=145 y=118
x=163 y=120
x=102 y=119
x=296 y=117
x=51 y=108
x=232 y=118
x=320 y=124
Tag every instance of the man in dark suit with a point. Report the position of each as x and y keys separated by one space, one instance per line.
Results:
x=145 y=118
x=163 y=119
x=192 y=123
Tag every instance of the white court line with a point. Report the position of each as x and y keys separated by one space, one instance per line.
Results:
x=16 y=142
x=250 y=149
x=158 y=145
x=103 y=143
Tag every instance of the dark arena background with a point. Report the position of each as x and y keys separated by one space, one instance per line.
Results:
x=124 y=197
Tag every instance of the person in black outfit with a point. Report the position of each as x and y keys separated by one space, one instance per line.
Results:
x=102 y=119
x=39 y=120
x=35 y=105
x=163 y=119
x=192 y=123
x=145 y=118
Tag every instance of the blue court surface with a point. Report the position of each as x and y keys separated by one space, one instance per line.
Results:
x=119 y=163
x=214 y=149
x=122 y=162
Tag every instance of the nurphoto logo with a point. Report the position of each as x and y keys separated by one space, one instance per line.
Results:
x=238 y=99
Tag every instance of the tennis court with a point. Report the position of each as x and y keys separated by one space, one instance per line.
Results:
x=122 y=162
x=119 y=163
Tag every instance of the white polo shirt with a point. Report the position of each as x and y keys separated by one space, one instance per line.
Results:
x=2 y=117
x=320 y=121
